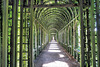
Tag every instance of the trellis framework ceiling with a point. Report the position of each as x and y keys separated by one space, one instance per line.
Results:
x=50 y=16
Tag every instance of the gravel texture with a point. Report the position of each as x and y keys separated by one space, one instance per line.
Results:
x=54 y=56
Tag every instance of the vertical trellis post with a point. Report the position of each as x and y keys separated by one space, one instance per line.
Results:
x=13 y=34
x=71 y=42
x=57 y=37
x=0 y=31
x=31 y=36
x=64 y=37
x=43 y=37
x=21 y=32
x=40 y=39
x=98 y=29
x=88 y=37
x=35 y=40
x=82 y=60
x=16 y=32
x=74 y=38
x=92 y=33
x=5 y=33
x=68 y=39
x=0 y=42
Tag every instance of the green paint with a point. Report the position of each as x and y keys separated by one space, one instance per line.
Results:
x=0 y=48
x=5 y=33
x=98 y=29
x=21 y=33
x=13 y=34
x=40 y=39
x=31 y=36
x=82 y=57
x=16 y=32
x=0 y=43
x=92 y=33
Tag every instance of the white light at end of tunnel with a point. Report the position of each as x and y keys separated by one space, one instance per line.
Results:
x=54 y=51
x=53 y=48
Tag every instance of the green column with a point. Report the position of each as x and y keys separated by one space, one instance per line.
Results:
x=5 y=33
x=16 y=32
x=88 y=38
x=65 y=37
x=21 y=32
x=0 y=45
x=82 y=59
x=0 y=30
x=0 y=40
x=36 y=39
x=98 y=29
x=13 y=34
x=31 y=36
x=57 y=36
x=40 y=39
x=68 y=38
x=92 y=33
x=74 y=38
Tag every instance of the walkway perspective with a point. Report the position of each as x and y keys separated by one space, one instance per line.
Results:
x=54 y=56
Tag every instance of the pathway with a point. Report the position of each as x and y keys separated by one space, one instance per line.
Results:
x=54 y=56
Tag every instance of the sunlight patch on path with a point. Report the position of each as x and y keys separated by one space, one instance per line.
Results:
x=56 y=64
x=54 y=47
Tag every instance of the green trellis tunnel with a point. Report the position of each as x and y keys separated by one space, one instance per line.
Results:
x=27 y=26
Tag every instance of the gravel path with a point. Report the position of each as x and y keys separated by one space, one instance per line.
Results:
x=54 y=56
